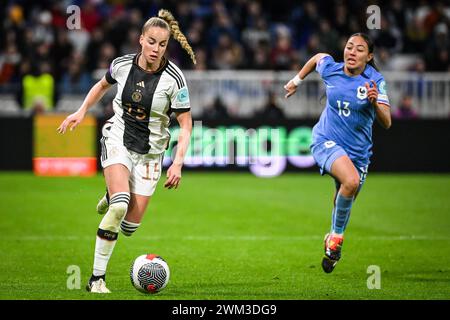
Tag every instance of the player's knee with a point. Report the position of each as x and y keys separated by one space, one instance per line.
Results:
x=117 y=210
x=351 y=184
x=128 y=228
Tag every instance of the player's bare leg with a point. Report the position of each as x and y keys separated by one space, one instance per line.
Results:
x=136 y=210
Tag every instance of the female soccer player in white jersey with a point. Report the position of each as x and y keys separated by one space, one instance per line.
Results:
x=149 y=89
x=342 y=139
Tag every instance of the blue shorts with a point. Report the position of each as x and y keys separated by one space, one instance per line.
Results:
x=326 y=152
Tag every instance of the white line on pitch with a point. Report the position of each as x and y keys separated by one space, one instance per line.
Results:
x=231 y=238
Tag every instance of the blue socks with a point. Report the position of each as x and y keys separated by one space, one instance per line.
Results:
x=341 y=213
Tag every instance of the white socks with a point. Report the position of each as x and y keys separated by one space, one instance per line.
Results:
x=108 y=231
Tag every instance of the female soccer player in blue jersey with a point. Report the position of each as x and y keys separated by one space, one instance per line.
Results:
x=342 y=139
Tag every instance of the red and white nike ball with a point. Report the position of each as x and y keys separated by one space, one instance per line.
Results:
x=149 y=273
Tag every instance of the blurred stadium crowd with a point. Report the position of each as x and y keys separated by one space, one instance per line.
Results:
x=226 y=35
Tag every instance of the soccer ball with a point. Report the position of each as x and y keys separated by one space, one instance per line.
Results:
x=149 y=273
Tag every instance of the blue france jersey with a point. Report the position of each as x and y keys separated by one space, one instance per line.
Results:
x=348 y=116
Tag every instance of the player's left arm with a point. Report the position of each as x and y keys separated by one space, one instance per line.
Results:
x=382 y=110
x=174 y=171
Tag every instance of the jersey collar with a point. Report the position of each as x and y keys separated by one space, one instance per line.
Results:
x=162 y=66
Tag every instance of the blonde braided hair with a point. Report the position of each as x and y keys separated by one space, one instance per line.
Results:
x=167 y=21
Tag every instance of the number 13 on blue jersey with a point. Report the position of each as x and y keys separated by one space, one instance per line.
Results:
x=343 y=108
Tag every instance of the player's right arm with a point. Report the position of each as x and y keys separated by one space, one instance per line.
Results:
x=310 y=66
x=94 y=95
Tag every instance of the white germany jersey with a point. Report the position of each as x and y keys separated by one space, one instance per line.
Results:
x=144 y=102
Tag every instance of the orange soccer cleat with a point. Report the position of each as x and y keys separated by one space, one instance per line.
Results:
x=333 y=247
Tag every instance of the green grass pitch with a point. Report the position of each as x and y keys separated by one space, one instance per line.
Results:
x=232 y=236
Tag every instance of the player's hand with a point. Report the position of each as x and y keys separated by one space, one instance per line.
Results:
x=372 y=92
x=291 y=88
x=173 y=176
x=72 y=121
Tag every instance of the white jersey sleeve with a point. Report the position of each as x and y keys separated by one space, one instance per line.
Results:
x=116 y=68
x=179 y=95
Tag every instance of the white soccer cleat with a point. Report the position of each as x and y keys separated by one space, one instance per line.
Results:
x=98 y=286
x=103 y=205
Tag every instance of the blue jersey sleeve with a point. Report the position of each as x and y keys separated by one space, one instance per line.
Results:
x=382 y=91
x=324 y=65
